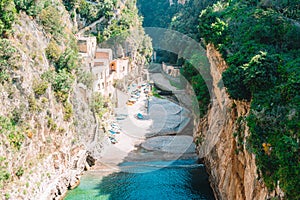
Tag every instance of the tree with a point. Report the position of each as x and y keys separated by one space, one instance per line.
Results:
x=31 y=7
x=7 y=16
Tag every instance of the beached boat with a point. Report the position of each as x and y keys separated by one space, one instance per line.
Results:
x=113 y=140
x=112 y=132
x=139 y=116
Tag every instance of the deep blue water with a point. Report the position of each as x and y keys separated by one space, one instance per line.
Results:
x=155 y=180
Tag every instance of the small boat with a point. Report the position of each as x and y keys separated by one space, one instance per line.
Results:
x=114 y=125
x=116 y=130
x=133 y=100
x=112 y=132
x=140 y=116
x=120 y=117
x=113 y=140
x=129 y=103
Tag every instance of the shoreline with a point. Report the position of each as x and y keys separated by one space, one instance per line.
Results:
x=134 y=132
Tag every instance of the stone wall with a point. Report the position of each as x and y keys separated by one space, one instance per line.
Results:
x=171 y=70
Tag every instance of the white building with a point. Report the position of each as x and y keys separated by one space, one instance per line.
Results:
x=101 y=64
x=103 y=82
x=120 y=68
x=87 y=48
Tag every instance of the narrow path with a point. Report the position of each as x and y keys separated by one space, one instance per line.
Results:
x=81 y=31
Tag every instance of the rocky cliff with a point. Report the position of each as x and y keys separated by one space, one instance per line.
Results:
x=49 y=130
x=222 y=137
x=42 y=152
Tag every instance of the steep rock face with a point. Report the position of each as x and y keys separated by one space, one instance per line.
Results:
x=52 y=154
x=223 y=132
x=49 y=131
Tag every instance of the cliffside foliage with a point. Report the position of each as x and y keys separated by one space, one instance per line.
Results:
x=25 y=94
x=198 y=83
x=181 y=18
x=31 y=7
x=99 y=105
x=7 y=17
x=8 y=60
x=126 y=19
x=91 y=10
x=119 y=26
x=40 y=114
x=260 y=41
x=124 y=33
x=157 y=13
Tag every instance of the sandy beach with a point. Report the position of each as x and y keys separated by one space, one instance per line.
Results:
x=156 y=133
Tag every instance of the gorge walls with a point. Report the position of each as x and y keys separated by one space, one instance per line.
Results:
x=222 y=135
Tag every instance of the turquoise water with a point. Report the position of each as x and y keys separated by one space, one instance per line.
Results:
x=178 y=180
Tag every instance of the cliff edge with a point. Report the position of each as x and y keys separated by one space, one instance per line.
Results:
x=222 y=133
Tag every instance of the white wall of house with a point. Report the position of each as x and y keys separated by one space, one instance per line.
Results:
x=97 y=61
x=122 y=68
x=99 y=84
x=103 y=82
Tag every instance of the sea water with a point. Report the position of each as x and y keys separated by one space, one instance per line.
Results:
x=153 y=180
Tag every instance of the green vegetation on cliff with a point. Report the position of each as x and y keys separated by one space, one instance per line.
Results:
x=42 y=110
x=7 y=17
x=260 y=41
x=181 y=18
x=91 y=10
x=27 y=101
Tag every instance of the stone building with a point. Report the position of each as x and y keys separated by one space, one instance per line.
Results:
x=172 y=70
x=87 y=48
x=100 y=63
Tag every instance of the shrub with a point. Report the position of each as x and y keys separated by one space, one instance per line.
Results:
x=70 y=4
x=16 y=139
x=18 y=114
x=85 y=78
x=98 y=104
x=61 y=83
x=68 y=111
x=4 y=174
x=8 y=59
x=233 y=79
x=51 y=20
x=33 y=104
x=7 y=16
x=53 y=51
x=7 y=196
x=20 y=172
x=68 y=61
x=39 y=87
x=51 y=124
x=31 y=7
x=13 y=132
x=4 y=77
